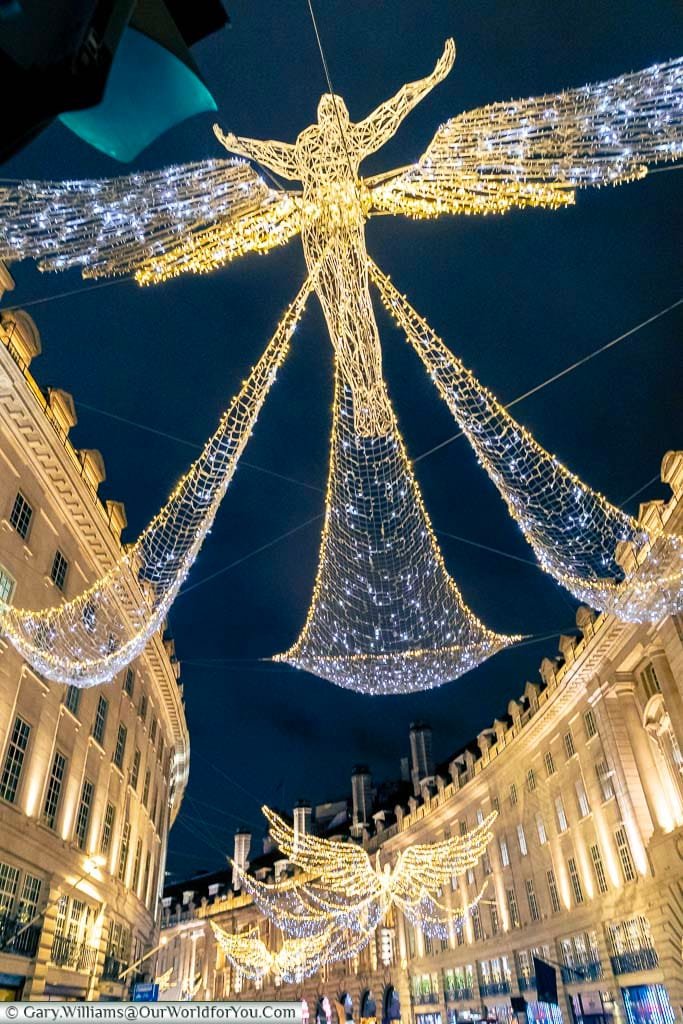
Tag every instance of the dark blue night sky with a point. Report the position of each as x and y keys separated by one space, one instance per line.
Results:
x=517 y=297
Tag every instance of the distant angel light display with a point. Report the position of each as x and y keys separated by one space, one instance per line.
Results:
x=385 y=615
x=342 y=895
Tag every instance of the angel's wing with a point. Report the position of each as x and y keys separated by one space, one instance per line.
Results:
x=425 y=868
x=286 y=904
x=337 y=867
x=435 y=918
x=153 y=224
x=536 y=152
x=245 y=951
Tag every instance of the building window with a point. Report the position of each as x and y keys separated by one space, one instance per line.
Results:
x=486 y=863
x=463 y=828
x=521 y=839
x=136 y=866
x=552 y=889
x=135 y=769
x=575 y=880
x=145 y=877
x=604 y=775
x=495 y=804
x=477 y=930
x=6 y=586
x=512 y=907
x=562 y=825
x=9 y=879
x=143 y=708
x=495 y=922
x=54 y=790
x=14 y=760
x=107 y=829
x=589 y=722
x=513 y=794
x=21 y=515
x=59 y=570
x=569 y=747
x=531 y=898
x=625 y=858
x=123 y=851
x=598 y=868
x=89 y=616
x=27 y=907
x=480 y=816
x=145 y=787
x=549 y=763
x=120 y=749
x=471 y=878
x=649 y=681
x=129 y=682
x=153 y=730
x=582 y=799
x=100 y=720
x=504 y=852
x=531 y=780
x=540 y=828
x=83 y=815
x=72 y=699
x=160 y=750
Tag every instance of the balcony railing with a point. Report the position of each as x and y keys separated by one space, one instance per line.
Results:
x=526 y=983
x=70 y=953
x=24 y=944
x=113 y=968
x=590 y=971
x=638 y=960
x=453 y=994
x=495 y=988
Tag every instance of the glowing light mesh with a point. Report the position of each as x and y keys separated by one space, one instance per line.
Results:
x=574 y=531
x=385 y=616
x=89 y=639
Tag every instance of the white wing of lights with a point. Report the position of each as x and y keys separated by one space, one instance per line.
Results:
x=89 y=639
x=147 y=223
x=537 y=151
x=576 y=534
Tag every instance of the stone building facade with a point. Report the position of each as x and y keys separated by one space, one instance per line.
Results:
x=90 y=779
x=585 y=870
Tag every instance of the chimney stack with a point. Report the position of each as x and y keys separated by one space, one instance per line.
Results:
x=361 y=796
x=240 y=856
x=302 y=820
x=422 y=764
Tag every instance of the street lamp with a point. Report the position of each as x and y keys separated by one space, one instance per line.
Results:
x=90 y=864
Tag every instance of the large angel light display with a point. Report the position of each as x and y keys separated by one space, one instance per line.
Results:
x=385 y=615
x=331 y=910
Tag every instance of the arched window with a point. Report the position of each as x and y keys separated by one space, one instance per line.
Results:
x=391 y=1005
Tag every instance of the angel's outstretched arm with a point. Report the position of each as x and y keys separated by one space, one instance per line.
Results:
x=276 y=156
x=379 y=126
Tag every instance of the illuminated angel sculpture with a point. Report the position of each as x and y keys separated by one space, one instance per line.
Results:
x=342 y=890
x=385 y=616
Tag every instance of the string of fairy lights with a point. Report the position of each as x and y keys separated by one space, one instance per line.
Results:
x=574 y=531
x=331 y=911
x=89 y=639
x=385 y=616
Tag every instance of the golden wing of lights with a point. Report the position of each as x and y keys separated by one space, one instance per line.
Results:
x=245 y=951
x=339 y=867
x=537 y=151
x=125 y=225
x=428 y=867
